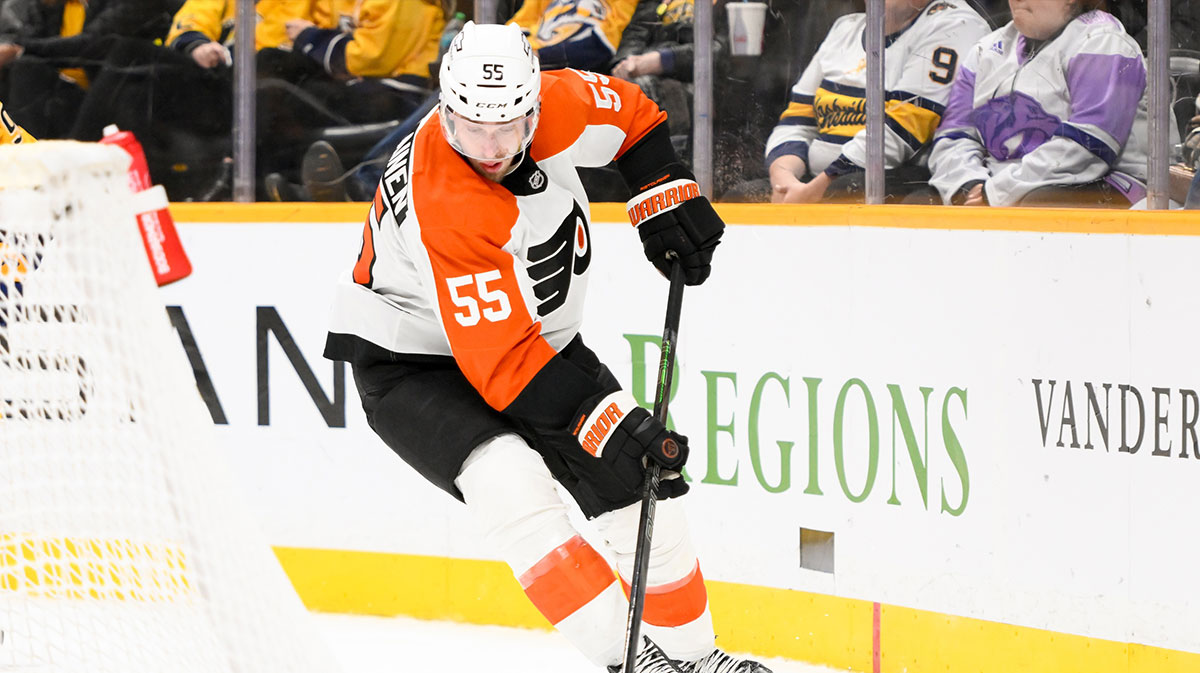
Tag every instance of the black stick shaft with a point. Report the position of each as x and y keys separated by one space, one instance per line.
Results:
x=641 y=558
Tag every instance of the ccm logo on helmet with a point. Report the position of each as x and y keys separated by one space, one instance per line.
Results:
x=661 y=199
x=491 y=106
x=594 y=431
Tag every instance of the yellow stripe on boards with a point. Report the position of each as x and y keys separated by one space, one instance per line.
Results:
x=97 y=569
x=828 y=630
x=953 y=218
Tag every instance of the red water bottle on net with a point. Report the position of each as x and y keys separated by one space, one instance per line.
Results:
x=163 y=247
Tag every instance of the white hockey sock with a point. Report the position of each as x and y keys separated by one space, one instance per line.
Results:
x=676 y=614
x=512 y=496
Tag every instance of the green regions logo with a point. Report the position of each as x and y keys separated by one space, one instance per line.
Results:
x=1122 y=416
x=847 y=421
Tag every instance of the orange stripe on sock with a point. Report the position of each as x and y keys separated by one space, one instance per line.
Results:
x=675 y=603
x=566 y=579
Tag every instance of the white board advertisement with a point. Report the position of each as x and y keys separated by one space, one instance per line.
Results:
x=1000 y=425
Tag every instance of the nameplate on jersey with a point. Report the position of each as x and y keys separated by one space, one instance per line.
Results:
x=396 y=177
x=660 y=199
x=594 y=431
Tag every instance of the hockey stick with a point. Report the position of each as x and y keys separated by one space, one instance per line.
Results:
x=641 y=557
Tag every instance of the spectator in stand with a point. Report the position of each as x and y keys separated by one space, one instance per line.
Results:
x=178 y=99
x=818 y=150
x=580 y=34
x=50 y=48
x=656 y=53
x=354 y=62
x=369 y=60
x=1049 y=110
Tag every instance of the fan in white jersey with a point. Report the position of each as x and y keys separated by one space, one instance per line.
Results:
x=1048 y=110
x=461 y=323
x=818 y=150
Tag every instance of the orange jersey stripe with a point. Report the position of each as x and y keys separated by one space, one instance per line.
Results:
x=366 y=256
x=466 y=221
x=566 y=579
x=570 y=103
x=675 y=603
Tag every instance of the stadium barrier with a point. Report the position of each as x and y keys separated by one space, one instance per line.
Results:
x=923 y=438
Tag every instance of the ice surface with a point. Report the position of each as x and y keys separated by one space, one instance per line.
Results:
x=404 y=645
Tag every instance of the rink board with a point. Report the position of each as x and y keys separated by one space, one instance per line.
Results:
x=897 y=377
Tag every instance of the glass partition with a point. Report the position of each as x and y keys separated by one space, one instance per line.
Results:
x=982 y=102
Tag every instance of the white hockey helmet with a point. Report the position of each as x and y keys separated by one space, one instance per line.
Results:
x=490 y=91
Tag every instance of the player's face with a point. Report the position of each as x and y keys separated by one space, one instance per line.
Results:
x=490 y=147
x=488 y=141
x=492 y=170
x=1040 y=19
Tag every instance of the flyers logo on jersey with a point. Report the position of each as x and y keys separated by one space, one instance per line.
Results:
x=661 y=199
x=552 y=263
x=595 y=430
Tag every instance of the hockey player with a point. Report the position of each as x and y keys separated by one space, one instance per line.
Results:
x=1049 y=110
x=10 y=133
x=818 y=149
x=461 y=321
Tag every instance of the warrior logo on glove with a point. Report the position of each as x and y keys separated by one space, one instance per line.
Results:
x=673 y=219
x=661 y=199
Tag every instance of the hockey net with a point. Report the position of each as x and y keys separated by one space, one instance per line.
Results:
x=121 y=546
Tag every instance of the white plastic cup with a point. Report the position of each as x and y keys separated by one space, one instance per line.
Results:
x=746 y=21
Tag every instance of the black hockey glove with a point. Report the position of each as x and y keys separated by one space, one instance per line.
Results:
x=690 y=229
x=670 y=213
x=623 y=436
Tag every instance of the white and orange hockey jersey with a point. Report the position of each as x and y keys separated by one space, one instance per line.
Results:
x=493 y=274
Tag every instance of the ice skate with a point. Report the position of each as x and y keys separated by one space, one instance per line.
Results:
x=722 y=662
x=652 y=660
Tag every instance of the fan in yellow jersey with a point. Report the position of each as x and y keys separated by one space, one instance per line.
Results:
x=580 y=34
x=353 y=61
x=10 y=133
x=203 y=29
x=395 y=39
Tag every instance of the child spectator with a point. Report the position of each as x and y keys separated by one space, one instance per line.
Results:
x=1049 y=110
x=818 y=150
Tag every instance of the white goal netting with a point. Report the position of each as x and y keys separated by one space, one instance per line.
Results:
x=122 y=546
